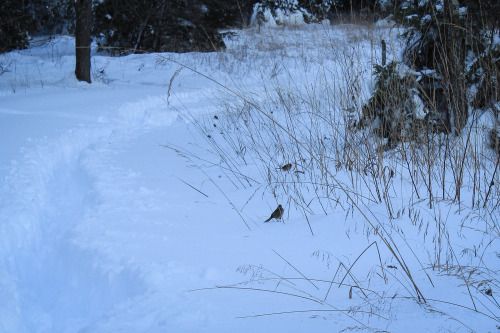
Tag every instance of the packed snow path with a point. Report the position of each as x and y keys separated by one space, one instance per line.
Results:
x=49 y=283
x=101 y=233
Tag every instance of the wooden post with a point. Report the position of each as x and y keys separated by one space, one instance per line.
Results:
x=384 y=51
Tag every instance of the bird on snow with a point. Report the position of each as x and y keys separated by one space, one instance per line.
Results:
x=286 y=167
x=277 y=214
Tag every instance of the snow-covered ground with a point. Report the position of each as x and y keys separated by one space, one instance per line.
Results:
x=116 y=215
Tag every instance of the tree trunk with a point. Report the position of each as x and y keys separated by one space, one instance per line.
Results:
x=82 y=35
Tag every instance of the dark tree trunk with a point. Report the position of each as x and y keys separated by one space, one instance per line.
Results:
x=82 y=34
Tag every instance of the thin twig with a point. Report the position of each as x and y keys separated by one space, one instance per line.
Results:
x=307 y=311
x=296 y=269
x=194 y=188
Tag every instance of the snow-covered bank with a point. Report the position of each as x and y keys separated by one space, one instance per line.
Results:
x=105 y=229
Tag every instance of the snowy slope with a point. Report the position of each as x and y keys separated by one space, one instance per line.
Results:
x=105 y=229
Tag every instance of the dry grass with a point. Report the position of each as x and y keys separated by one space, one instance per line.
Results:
x=303 y=113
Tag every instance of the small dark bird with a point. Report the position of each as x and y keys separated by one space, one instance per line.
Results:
x=277 y=214
x=286 y=167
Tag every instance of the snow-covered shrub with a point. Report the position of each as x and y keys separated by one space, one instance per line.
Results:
x=484 y=75
x=277 y=12
x=290 y=12
x=396 y=106
x=318 y=10
x=484 y=72
x=446 y=37
x=451 y=71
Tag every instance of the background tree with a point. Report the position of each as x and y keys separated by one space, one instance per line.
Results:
x=163 y=25
x=20 y=19
x=13 y=32
x=82 y=39
x=49 y=17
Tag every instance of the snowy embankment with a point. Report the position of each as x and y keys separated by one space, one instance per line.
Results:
x=103 y=229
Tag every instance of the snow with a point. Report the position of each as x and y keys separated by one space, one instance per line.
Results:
x=116 y=215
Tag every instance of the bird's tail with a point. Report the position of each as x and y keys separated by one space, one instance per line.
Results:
x=269 y=219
